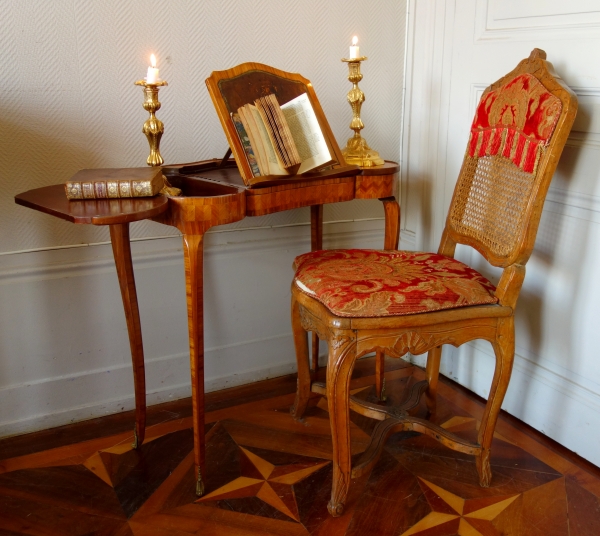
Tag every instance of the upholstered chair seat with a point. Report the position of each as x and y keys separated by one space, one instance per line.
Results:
x=363 y=283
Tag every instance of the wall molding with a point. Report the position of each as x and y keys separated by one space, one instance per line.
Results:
x=472 y=365
x=19 y=396
x=22 y=267
x=545 y=371
x=530 y=28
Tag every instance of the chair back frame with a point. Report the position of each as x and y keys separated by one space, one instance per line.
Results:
x=523 y=241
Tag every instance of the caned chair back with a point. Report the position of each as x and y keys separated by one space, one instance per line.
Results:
x=517 y=136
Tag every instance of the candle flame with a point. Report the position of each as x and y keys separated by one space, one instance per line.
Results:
x=153 y=60
x=354 y=41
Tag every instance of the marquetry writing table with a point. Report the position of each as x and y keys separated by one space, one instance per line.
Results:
x=213 y=193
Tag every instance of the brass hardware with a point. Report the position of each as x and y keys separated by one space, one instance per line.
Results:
x=135 y=443
x=199 y=484
x=383 y=396
x=153 y=127
x=357 y=150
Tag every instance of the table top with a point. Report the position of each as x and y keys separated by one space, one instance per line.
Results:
x=53 y=200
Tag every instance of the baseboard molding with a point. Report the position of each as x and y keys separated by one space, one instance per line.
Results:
x=167 y=379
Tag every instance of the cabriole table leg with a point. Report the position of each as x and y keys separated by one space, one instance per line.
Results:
x=193 y=260
x=119 y=237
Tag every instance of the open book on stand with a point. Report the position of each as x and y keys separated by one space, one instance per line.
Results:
x=274 y=124
x=281 y=140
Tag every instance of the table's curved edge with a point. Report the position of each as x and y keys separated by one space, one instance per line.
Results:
x=53 y=200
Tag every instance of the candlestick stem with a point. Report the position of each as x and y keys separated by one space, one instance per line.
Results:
x=153 y=127
x=357 y=150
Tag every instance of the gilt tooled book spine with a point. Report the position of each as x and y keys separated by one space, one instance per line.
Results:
x=106 y=184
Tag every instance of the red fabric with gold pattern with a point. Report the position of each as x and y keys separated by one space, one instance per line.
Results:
x=515 y=121
x=364 y=283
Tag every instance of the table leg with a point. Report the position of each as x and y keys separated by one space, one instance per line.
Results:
x=392 y=223
x=193 y=259
x=119 y=237
x=316 y=243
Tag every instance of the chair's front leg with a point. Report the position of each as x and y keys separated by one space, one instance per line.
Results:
x=504 y=348
x=304 y=378
x=342 y=355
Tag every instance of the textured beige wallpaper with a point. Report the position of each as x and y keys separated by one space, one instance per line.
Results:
x=67 y=99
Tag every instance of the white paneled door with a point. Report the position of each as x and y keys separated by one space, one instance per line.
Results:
x=455 y=50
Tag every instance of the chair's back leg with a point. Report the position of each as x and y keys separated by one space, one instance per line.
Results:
x=433 y=371
x=304 y=378
x=380 y=375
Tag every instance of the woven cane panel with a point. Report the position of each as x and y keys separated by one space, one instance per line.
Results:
x=489 y=206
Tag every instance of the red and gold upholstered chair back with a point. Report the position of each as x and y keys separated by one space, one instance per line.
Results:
x=517 y=136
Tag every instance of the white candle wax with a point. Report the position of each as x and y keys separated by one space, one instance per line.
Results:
x=354 y=49
x=152 y=74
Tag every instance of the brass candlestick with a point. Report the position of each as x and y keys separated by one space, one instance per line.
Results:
x=153 y=127
x=357 y=150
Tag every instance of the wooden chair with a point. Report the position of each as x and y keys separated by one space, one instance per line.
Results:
x=364 y=301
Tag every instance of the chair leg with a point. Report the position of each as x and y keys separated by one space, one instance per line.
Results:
x=342 y=355
x=433 y=371
x=504 y=349
x=380 y=375
x=315 y=353
x=304 y=377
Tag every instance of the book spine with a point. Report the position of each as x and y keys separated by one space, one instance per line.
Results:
x=109 y=189
x=243 y=135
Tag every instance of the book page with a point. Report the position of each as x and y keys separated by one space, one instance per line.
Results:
x=307 y=133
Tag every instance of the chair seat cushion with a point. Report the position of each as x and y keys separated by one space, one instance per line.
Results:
x=370 y=283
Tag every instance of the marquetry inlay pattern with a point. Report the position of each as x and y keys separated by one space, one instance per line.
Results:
x=269 y=474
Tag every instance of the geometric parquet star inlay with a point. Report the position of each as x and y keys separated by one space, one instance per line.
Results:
x=271 y=484
x=268 y=474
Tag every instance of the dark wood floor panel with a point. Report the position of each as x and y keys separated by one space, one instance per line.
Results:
x=268 y=474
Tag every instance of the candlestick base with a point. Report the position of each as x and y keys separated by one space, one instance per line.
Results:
x=358 y=152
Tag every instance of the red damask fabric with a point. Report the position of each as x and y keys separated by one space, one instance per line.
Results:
x=365 y=283
x=515 y=121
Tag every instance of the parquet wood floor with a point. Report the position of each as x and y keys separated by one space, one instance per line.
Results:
x=268 y=474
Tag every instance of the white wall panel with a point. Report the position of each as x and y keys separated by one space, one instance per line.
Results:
x=556 y=379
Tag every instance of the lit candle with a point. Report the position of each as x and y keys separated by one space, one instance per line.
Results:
x=152 y=76
x=354 y=53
